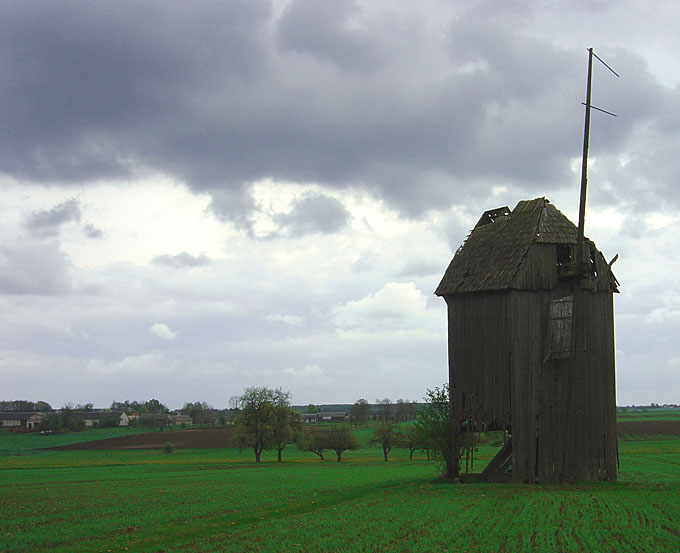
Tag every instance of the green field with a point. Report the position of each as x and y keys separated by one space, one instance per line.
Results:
x=220 y=500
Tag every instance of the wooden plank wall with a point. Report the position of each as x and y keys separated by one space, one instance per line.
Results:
x=562 y=411
x=564 y=421
x=479 y=360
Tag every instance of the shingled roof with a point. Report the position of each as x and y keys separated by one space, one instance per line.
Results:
x=496 y=247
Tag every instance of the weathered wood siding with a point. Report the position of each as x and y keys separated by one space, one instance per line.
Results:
x=479 y=360
x=561 y=410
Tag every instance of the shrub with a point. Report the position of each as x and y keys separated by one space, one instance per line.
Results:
x=168 y=448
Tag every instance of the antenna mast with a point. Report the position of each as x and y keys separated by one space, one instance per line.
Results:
x=584 y=162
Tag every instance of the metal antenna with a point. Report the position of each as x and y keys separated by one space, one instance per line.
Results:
x=584 y=162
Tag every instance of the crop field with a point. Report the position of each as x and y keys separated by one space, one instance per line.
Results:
x=219 y=500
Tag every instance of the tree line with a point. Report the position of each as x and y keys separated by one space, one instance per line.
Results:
x=266 y=421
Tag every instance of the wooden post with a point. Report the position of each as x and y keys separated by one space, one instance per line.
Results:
x=584 y=161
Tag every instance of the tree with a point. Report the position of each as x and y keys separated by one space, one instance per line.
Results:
x=311 y=409
x=285 y=423
x=386 y=435
x=265 y=421
x=62 y=421
x=384 y=409
x=200 y=412
x=42 y=406
x=339 y=438
x=254 y=422
x=24 y=405
x=433 y=421
x=411 y=439
x=155 y=406
x=109 y=421
x=314 y=441
x=360 y=411
x=405 y=410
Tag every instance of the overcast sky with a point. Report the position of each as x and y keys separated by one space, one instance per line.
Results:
x=199 y=197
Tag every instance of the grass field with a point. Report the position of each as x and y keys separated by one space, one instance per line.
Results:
x=221 y=501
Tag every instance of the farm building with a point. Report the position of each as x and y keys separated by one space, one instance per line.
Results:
x=20 y=419
x=531 y=345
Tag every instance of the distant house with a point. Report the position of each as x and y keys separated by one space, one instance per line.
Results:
x=336 y=416
x=182 y=420
x=20 y=419
x=34 y=420
x=92 y=419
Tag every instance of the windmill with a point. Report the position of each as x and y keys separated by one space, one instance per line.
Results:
x=531 y=340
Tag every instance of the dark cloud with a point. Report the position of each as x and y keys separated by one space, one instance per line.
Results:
x=182 y=259
x=49 y=221
x=222 y=94
x=34 y=269
x=314 y=214
x=92 y=232
x=325 y=32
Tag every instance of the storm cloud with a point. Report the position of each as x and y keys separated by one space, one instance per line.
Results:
x=262 y=192
x=221 y=95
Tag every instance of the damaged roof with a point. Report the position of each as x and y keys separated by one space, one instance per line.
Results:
x=493 y=252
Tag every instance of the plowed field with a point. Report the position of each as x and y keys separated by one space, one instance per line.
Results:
x=644 y=428
x=200 y=438
x=212 y=438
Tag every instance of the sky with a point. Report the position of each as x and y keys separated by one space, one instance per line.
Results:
x=202 y=197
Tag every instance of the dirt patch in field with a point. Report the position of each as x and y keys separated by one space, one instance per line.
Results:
x=201 y=438
x=648 y=428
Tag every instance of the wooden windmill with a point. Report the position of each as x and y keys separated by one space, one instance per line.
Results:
x=531 y=341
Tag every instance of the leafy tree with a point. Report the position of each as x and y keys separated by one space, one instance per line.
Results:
x=264 y=420
x=387 y=436
x=314 y=441
x=285 y=424
x=42 y=406
x=411 y=438
x=84 y=407
x=311 y=409
x=200 y=412
x=24 y=405
x=433 y=421
x=109 y=421
x=62 y=421
x=155 y=406
x=51 y=423
x=339 y=438
x=360 y=411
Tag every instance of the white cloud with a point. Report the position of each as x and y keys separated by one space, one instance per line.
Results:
x=397 y=304
x=293 y=320
x=162 y=331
